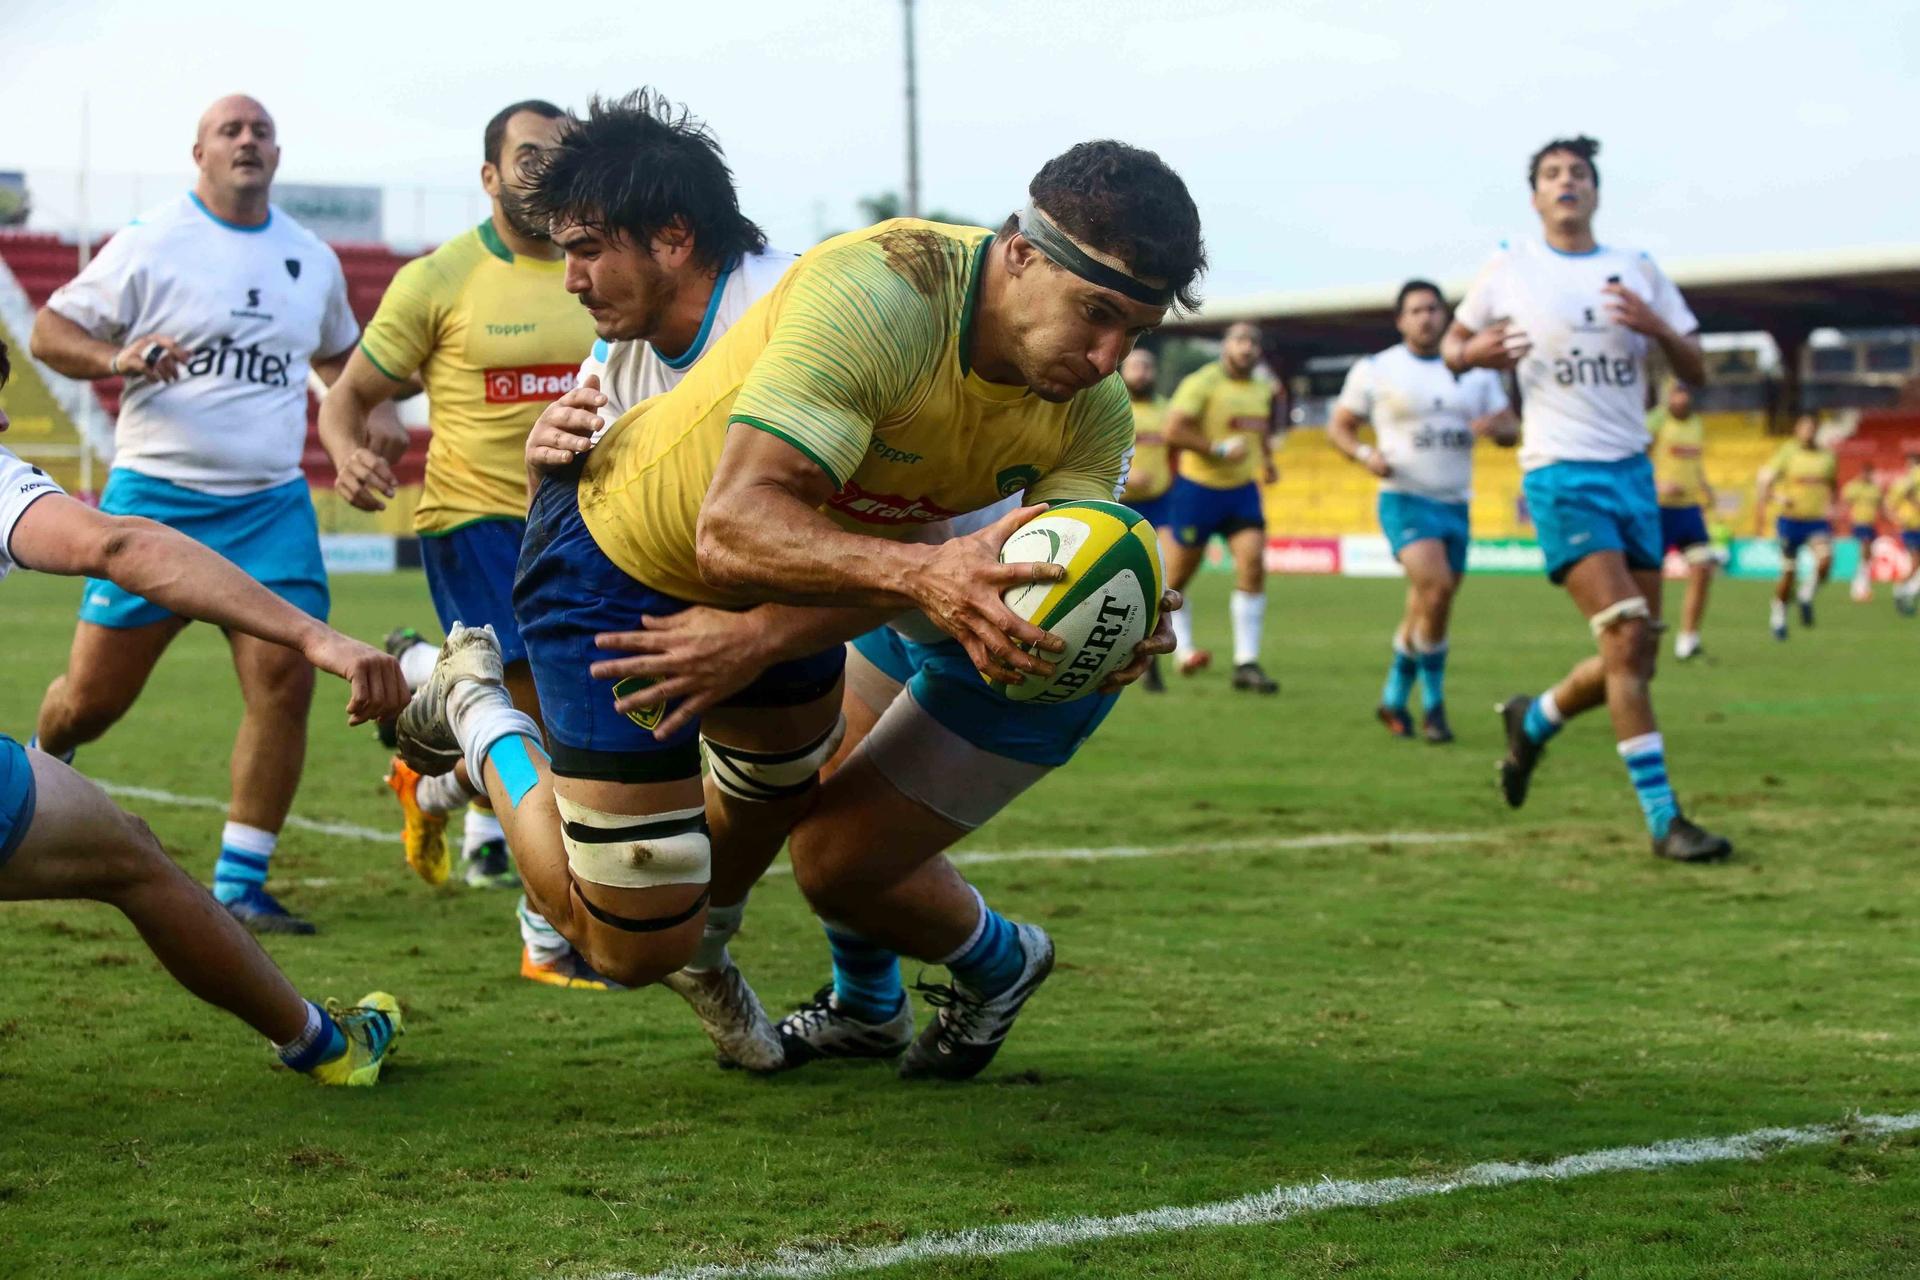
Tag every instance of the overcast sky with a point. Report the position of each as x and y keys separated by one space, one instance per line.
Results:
x=1326 y=143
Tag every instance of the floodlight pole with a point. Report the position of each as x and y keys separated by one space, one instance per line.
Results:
x=912 y=209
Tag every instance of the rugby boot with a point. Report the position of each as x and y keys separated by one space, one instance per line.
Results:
x=426 y=738
x=261 y=912
x=969 y=1028
x=1193 y=661
x=370 y=1027
x=732 y=1016
x=1249 y=678
x=1434 y=727
x=821 y=1029
x=1685 y=842
x=398 y=641
x=423 y=835
x=1398 y=722
x=491 y=867
x=569 y=971
x=1523 y=753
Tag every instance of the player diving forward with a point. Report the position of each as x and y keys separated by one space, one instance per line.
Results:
x=1221 y=421
x=1680 y=478
x=1576 y=320
x=60 y=837
x=1427 y=420
x=1801 y=476
x=898 y=376
x=1863 y=497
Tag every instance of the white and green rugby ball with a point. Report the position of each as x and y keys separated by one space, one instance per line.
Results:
x=1106 y=605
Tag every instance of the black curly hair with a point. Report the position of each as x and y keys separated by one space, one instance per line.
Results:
x=636 y=165
x=1579 y=145
x=1127 y=202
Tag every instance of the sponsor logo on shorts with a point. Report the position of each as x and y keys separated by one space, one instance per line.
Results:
x=886 y=508
x=647 y=718
x=529 y=383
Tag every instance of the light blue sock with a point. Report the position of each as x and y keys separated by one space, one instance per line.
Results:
x=1543 y=719
x=866 y=976
x=1433 y=677
x=990 y=961
x=1646 y=758
x=245 y=853
x=322 y=1041
x=1399 y=679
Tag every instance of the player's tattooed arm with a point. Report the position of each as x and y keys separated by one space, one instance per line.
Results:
x=761 y=532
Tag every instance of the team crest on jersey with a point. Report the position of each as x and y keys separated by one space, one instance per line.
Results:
x=293 y=267
x=886 y=508
x=647 y=718
x=1014 y=479
x=530 y=383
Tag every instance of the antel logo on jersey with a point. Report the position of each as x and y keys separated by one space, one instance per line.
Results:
x=528 y=383
x=886 y=508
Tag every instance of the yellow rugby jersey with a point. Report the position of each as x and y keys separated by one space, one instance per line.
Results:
x=1862 y=497
x=1803 y=481
x=1151 y=472
x=1904 y=497
x=1679 y=459
x=1222 y=406
x=859 y=359
x=495 y=338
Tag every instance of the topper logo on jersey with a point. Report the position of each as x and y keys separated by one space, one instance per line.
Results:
x=1576 y=370
x=528 y=383
x=242 y=364
x=886 y=508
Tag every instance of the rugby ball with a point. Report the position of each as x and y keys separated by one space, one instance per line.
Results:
x=1106 y=605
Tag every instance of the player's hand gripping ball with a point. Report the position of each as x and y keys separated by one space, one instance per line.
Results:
x=1106 y=605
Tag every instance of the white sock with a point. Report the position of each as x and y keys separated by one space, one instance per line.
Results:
x=544 y=942
x=443 y=794
x=480 y=828
x=416 y=664
x=1687 y=642
x=309 y=1034
x=254 y=840
x=482 y=714
x=979 y=927
x=1182 y=632
x=722 y=924
x=1777 y=614
x=1249 y=609
x=1808 y=585
x=1550 y=709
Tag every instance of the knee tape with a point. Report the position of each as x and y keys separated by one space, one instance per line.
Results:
x=766 y=776
x=1701 y=553
x=625 y=851
x=1618 y=612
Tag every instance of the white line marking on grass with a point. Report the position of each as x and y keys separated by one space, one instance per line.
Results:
x=1277 y=1205
x=347 y=829
x=966 y=858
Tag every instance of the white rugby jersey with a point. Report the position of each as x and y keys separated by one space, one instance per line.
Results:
x=254 y=304
x=633 y=371
x=1583 y=386
x=21 y=485
x=1423 y=416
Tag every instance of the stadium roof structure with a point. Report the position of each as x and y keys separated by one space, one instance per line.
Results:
x=1787 y=295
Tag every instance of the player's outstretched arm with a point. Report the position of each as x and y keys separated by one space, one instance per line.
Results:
x=761 y=532
x=59 y=535
x=362 y=457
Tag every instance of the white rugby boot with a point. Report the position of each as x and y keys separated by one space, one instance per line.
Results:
x=424 y=735
x=731 y=1015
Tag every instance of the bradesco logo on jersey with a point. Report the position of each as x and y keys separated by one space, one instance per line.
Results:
x=886 y=508
x=530 y=383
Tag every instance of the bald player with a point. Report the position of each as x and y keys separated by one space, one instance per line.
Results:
x=214 y=307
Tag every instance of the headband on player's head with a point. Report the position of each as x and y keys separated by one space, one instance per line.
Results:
x=1068 y=256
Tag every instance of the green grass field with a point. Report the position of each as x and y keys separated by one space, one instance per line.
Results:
x=1222 y=1021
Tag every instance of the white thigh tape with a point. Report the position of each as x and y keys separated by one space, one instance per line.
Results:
x=629 y=851
x=1617 y=612
x=766 y=776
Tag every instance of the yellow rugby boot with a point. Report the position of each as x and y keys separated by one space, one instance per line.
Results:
x=424 y=835
x=370 y=1027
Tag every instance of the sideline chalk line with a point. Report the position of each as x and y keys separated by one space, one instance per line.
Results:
x=965 y=858
x=1288 y=1200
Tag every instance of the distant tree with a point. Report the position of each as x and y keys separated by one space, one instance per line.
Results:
x=888 y=204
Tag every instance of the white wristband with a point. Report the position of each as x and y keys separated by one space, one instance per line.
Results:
x=1363 y=454
x=1221 y=448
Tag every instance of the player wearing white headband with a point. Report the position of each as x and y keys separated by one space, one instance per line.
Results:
x=896 y=377
x=1576 y=321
